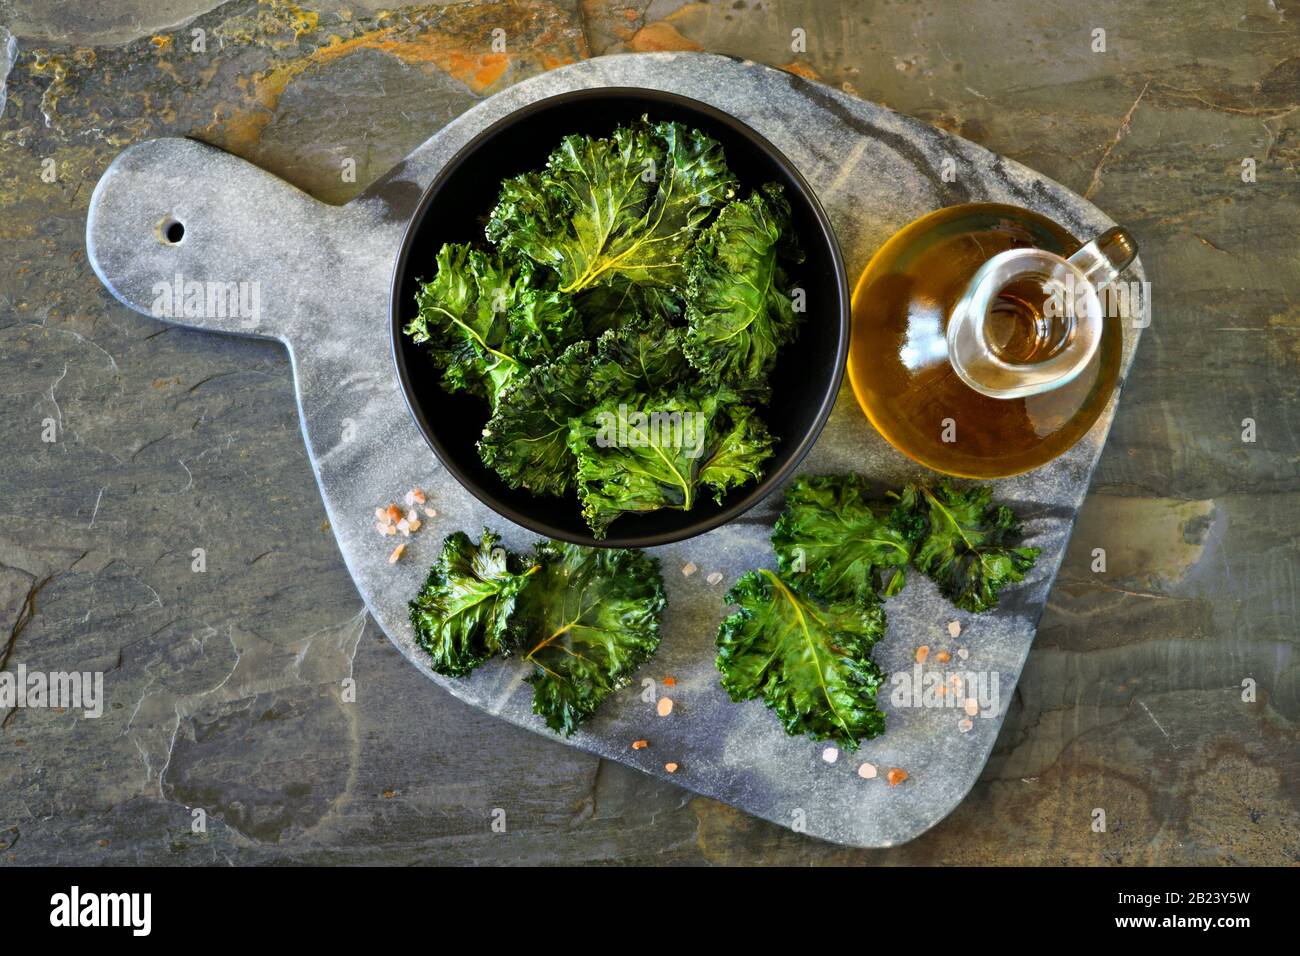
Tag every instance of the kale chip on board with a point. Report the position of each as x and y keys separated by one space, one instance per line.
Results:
x=803 y=636
x=583 y=618
x=591 y=618
x=462 y=613
x=963 y=542
x=836 y=541
x=809 y=660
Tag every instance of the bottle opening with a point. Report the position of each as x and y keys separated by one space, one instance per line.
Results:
x=1029 y=321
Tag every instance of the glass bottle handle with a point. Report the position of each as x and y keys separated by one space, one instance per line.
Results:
x=1104 y=258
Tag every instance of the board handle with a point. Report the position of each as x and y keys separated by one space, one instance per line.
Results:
x=189 y=234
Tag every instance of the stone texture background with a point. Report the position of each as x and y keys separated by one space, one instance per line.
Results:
x=170 y=440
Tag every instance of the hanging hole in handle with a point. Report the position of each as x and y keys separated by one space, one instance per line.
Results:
x=170 y=231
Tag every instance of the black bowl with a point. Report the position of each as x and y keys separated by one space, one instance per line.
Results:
x=454 y=208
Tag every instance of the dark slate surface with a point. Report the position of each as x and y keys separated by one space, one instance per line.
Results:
x=1130 y=700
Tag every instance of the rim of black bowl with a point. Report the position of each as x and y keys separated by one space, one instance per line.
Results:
x=733 y=508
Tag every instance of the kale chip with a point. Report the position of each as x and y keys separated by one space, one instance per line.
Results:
x=605 y=307
x=583 y=618
x=485 y=318
x=462 y=613
x=838 y=542
x=624 y=208
x=963 y=542
x=809 y=660
x=645 y=453
x=526 y=439
x=591 y=616
x=803 y=636
x=644 y=354
x=738 y=306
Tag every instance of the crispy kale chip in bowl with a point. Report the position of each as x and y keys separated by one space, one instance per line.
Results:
x=619 y=317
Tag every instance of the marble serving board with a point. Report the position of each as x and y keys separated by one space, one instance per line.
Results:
x=319 y=275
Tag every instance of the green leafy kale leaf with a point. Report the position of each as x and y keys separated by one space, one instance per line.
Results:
x=485 y=318
x=623 y=208
x=642 y=453
x=542 y=324
x=740 y=444
x=837 y=542
x=963 y=542
x=738 y=307
x=526 y=439
x=807 y=659
x=462 y=613
x=605 y=307
x=642 y=355
x=591 y=617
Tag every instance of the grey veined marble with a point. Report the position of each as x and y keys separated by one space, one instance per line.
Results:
x=8 y=53
x=316 y=278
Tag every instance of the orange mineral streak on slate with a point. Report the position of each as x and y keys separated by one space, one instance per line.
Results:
x=801 y=69
x=463 y=52
x=658 y=37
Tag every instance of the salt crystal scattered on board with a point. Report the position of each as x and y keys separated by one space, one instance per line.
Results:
x=830 y=755
x=954 y=628
x=867 y=771
x=963 y=653
x=670 y=767
x=964 y=725
x=688 y=569
x=972 y=706
x=665 y=706
x=715 y=577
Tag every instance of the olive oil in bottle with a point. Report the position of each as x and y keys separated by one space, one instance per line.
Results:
x=980 y=346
